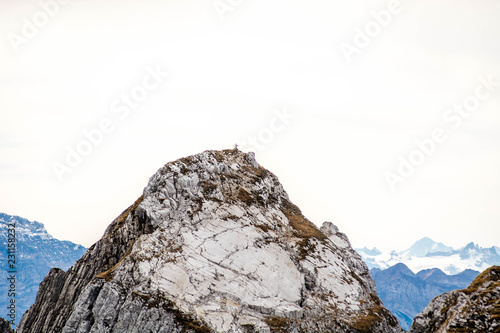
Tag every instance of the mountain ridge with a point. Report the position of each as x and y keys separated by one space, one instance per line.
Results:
x=214 y=244
x=36 y=253
x=426 y=254
x=406 y=294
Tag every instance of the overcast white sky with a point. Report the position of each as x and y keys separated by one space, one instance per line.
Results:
x=229 y=72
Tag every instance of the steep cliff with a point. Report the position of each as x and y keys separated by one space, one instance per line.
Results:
x=475 y=309
x=213 y=245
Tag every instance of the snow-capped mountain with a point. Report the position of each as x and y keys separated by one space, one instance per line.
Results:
x=36 y=253
x=214 y=244
x=426 y=246
x=427 y=254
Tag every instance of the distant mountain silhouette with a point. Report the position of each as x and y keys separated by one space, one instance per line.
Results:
x=406 y=294
x=37 y=252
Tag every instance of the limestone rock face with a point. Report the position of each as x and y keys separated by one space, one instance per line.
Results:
x=475 y=309
x=213 y=245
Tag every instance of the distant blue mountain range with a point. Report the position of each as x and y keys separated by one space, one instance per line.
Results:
x=440 y=268
x=406 y=294
x=36 y=253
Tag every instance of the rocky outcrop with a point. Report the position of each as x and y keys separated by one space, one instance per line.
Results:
x=475 y=309
x=214 y=244
x=5 y=326
x=60 y=289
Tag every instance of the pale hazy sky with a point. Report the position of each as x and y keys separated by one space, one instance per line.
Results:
x=351 y=105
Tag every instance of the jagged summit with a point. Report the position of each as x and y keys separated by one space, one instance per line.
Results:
x=213 y=245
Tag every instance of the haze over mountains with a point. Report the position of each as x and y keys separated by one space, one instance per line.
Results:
x=408 y=280
x=475 y=309
x=37 y=252
x=427 y=254
x=186 y=226
x=406 y=294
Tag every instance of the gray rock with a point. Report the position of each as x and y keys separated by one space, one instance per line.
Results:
x=475 y=309
x=213 y=249
x=329 y=229
x=5 y=326
x=251 y=159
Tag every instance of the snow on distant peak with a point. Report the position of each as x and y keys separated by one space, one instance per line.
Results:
x=427 y=254
x=426 y=246
x=25 y=228
x=370 y=252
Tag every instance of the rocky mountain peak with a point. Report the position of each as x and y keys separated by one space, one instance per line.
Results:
x=214 y=244
x=212 y=177
x=434 y=274
x=370 y=252
x=470 y=246
x=395 y=272
x=426 y=246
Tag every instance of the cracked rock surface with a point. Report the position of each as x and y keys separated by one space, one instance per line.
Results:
x=475 y=309
x=213 y=245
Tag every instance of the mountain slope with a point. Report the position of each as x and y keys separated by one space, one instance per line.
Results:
x=36 y=253
x=213 y=245
x=406 y=294
x=475 y=309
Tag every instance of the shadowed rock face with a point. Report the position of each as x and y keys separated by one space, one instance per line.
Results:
x=475 y=309
x=213 y=245
x=59 y=290
x=5 y=326
x=37 y=252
